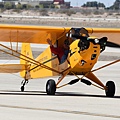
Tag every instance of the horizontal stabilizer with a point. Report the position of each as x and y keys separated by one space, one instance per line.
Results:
x=12 y=68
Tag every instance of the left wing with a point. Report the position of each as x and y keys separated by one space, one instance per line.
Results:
x=31 y=34
x=12 y=68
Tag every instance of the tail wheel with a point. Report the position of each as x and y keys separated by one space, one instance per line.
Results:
x=22 y=88
x=50 y=87
x=110 y=89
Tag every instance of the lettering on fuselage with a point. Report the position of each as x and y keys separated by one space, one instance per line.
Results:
x=75 y=59
x=43 y=59
x=37 y=68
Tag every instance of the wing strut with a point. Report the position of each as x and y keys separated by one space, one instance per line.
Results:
x=106 y=65
x=89 y=75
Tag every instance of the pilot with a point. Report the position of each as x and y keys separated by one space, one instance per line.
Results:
x=61 y=52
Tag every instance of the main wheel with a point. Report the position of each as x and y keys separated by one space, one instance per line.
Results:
x=50 y=87
x=110 y=89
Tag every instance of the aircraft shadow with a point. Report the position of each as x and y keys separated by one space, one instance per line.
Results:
x=82 y=95
x=43 y=93
x=7 y=92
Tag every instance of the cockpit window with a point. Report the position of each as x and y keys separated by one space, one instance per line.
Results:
x=84 y=32
x=78 y=32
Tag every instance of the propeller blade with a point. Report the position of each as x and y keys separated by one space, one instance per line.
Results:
x=111 y=44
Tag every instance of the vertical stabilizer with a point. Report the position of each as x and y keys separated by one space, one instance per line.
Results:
x=25 y=50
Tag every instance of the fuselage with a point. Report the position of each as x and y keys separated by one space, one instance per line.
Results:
x=80 y=60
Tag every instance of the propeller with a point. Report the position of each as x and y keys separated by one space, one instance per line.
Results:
x=112 y=44
x=102 y=40
x=82 y=33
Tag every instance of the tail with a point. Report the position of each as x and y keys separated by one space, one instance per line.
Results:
x=26 y=51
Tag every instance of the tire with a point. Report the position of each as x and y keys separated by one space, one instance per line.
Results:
x=22 y=88
x=110 y=92
x=50 y=87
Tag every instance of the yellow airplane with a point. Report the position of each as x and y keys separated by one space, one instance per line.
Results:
x=85 y=46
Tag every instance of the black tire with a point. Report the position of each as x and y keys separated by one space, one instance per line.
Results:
x=50 y=87
x=110 y=92
x=22 y=88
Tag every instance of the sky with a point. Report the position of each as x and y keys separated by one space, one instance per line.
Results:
x=81 y=2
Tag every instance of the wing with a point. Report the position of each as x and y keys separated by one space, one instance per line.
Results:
x=12 y=68
x=31 y=34
x=113 y=34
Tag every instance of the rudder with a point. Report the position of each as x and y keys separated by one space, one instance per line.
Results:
x=26 y=51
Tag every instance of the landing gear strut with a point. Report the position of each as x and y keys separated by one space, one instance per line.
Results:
x=24 y=82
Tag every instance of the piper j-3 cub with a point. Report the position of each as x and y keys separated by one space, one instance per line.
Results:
x=85 y=46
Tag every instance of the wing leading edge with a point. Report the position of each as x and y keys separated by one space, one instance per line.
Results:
x=30 y=34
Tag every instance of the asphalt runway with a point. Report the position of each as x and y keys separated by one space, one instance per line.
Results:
x=71 y=102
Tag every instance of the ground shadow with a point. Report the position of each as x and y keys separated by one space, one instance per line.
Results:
x=82 y=95
x=43 y=93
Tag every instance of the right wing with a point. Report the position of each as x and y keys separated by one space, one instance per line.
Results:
x=31 y=34
x=113 y=34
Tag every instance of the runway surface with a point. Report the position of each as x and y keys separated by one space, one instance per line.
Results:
x=71 y=102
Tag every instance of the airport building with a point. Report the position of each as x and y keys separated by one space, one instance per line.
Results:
x=44 y=3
